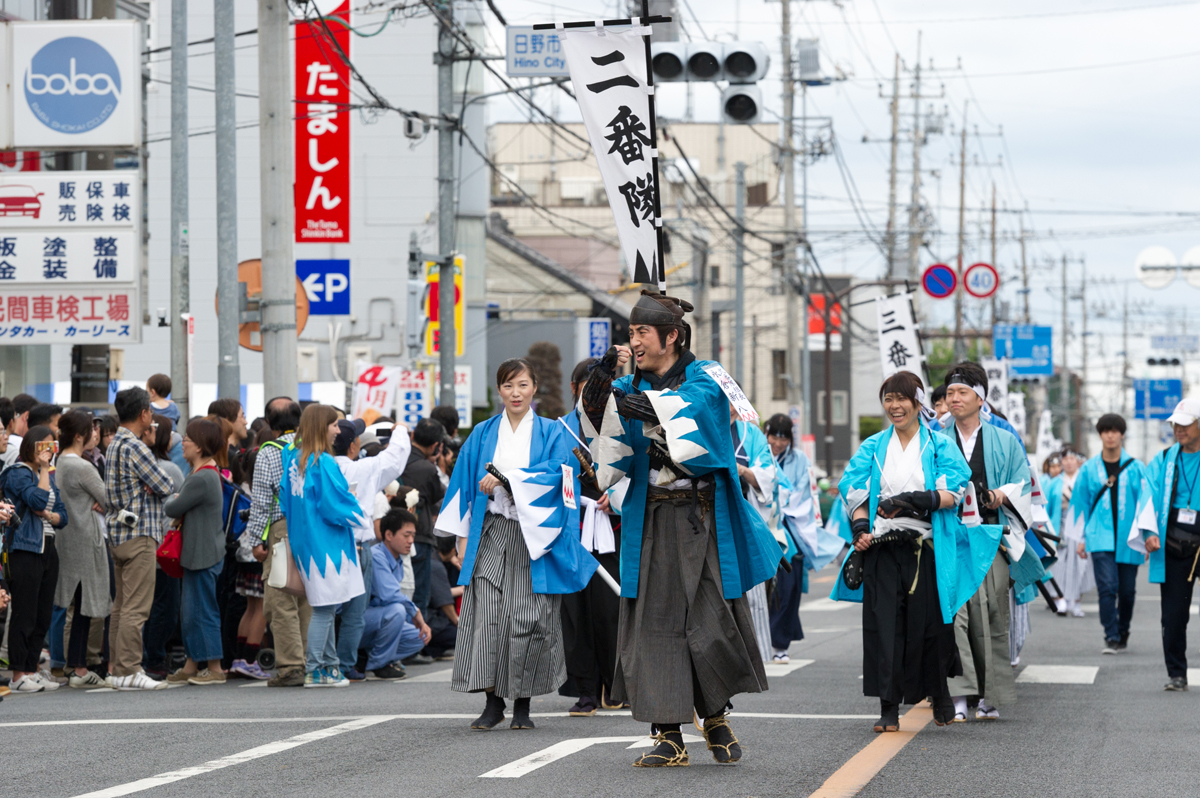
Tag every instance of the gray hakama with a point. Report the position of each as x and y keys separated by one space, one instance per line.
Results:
x=981 y=632
x=681 y=644
x=509 y=638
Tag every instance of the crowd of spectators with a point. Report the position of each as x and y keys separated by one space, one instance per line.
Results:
x=138 y=549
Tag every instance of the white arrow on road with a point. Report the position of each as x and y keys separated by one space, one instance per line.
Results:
x=528 y=764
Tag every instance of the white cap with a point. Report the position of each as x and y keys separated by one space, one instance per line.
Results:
x=1186 y=413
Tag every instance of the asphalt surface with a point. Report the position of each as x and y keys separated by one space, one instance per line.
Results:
x=1119 y=735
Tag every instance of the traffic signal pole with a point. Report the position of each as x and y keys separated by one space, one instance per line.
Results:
x=447 y=334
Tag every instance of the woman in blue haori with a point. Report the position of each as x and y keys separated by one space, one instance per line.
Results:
x=691 y=545
x=517 y=563
x=321 y=513
x=918 y=563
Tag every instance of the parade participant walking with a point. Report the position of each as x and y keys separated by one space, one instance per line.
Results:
x=1000 y=474
x=589 y=617
x=794 y=471
x=691 y=545
x=758 y=478
x=1174 y=476
x=522 y=551
x=1072 y=571
x=1109 y=497
x=322 y=515
x=919 y=565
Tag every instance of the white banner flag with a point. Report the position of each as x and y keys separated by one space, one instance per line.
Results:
x=1047 y=444
x=374 y=388
x=997 y=374
x=899 y=344
x=1016 y=413
x=608 y=70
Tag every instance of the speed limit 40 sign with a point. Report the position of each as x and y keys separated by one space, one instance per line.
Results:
x=981 y=280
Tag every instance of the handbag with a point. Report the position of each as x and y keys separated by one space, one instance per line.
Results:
x=284 y=574
x=169 y=552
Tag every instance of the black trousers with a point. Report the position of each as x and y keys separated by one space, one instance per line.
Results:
x=785 y=606
x=589 y=624
x=1176 y=604
x=81 y=627
x=33 y=579
x=163 y=622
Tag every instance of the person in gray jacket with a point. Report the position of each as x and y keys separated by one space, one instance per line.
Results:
x=83 y=585
x=199 y=504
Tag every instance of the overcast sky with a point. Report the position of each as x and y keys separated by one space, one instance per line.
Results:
x=1098 y=105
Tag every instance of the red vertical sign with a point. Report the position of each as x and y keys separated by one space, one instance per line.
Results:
x=323 y=129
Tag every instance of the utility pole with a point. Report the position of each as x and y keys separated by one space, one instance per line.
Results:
x=1024 y=272
x=914 y=209
x=1081 y=398
x=959 y=350
x=702 y=318
x=739 y=270
x=1125 y=356
x=180 y=301
x=275 y=178
x=1065 y=388
x=447 y=335
x=787 y=165
x=993 y=260
x=229 y=376
x=892 y=270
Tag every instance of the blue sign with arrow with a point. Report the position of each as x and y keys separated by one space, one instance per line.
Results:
x=1156 y=399
x=327 y=283
x=1028 y=349
x=939 y=281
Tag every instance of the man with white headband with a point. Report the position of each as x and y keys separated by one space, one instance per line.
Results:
x=1001 y=480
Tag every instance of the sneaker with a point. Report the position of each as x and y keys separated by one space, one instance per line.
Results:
x=446 y=656
x=137 y=681
x=254 y=671
x=311 y=678
x=781 y=658
x=337 y=678
x=48 y=678
x=1111 y=647
x=29 y=683
x=236 y=667
x=1178 y=684
x=325 y=678
x=207 y=677
x=1078 y=612
x=392 y=672
x=288 y=677
x=418 y=659
x=355 y=675
x=87 y=681
x=178 y=677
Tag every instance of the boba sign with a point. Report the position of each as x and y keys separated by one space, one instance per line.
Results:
x=75 y=84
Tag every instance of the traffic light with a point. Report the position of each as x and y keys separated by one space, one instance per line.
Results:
x=1162 y=361
x=740 y=64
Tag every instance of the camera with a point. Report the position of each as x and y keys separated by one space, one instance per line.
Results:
x=127 y=518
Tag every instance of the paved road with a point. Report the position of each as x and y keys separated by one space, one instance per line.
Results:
x=1117 y=733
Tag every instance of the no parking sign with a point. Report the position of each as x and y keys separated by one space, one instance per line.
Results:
x=939 y=281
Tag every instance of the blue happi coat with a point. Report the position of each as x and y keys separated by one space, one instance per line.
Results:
x=321 y=515
x=1135 y=495
x=1161 y=476
x=801 y=513
x=1053 y=488
x=558 y=562
x=962 y=556
x=694 y=423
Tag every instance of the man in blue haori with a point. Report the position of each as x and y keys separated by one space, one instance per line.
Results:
x=686 y=643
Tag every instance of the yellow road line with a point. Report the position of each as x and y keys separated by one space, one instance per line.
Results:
x=862 y=767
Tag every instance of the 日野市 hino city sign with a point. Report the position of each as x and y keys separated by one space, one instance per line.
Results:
x=74 y=84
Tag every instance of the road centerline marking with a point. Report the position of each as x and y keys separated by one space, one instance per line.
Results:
x=851 y=777
x=236 y=759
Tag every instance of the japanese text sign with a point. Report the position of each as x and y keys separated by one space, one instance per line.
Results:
x=733 y=393
x=534 y=54
x=323 y=128
x=1027 y=348
x=375 y=388
x=899 y=339
x=609 y=73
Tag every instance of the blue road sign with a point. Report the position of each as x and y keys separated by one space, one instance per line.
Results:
x=939 y=281
x=598 y=337
x=1156 y=399
x=1028 y=349
x=327 y=283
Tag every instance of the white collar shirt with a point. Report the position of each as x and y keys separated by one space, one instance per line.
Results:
x=367 y=476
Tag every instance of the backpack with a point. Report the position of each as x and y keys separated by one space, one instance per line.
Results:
x=236 y=510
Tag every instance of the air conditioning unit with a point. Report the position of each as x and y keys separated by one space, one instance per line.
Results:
x=355 y=353
x=307 y=363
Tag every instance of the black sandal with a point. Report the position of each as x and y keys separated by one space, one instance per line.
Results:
x=668 y=752
x=721 y=740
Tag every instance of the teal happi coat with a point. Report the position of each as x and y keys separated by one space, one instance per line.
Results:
x=1161 y=476
x=1135 y=506
x=694 y=426
x=962 y=556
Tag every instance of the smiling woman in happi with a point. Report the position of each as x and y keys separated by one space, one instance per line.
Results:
x=511 y=496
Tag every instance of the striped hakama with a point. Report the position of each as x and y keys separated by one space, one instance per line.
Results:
x=509 y=638
x=680 y=643
x=760 y=616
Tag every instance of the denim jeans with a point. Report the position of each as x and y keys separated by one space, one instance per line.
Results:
x=200 y=617
x=422 y=576
x=321 y=651
x=1117 y=585
x=351 y=631
x=58 y=626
